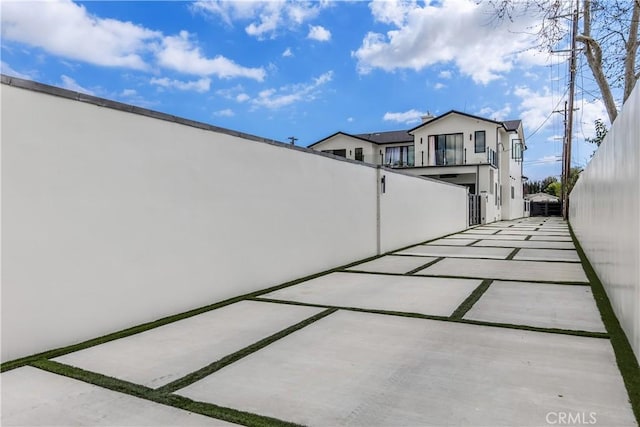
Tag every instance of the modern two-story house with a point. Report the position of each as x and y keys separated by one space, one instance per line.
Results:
x=482 y=154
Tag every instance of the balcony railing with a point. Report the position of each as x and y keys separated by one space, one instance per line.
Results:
x=492 y=157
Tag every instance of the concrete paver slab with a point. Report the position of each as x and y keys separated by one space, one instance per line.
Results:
x=457 y=251
x=164 y=354
x=455 y=240
x=547 y=255
x=372 y=370
x=526 y=244
x=508 y=270
x=535 y=233
x=479 y=231
x=392 y=264
x=540 y=305
x=489 y=237
x=552 y=238
x=411 y=294
x=32 y=397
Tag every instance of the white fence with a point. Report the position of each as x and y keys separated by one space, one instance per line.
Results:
x=605 y=215
x=112 y=218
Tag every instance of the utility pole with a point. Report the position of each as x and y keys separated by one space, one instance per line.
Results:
x=569 y=128
x=563 y=177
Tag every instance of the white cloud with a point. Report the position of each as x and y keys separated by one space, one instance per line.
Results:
x=535 y=107
x=490 y=113
x=64 y=28
x=242 y=97
x=224 y=113
x=319 y=33
x=439 y=86
x=126 y=93
x=350 y=119
x=287 y=53
x=289 y=94
x=391 y=12
x=587 y=114
x=180 y=54
x=457 y=31
x=549 y=159
x=445 y=74
x=411 y=116
x=7 y=70
x=201 y=85
x=267 y=18
x=71 y=84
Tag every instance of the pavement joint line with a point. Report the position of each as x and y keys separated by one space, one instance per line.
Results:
x=422 y=267
x=493 y=234
x=625 y=357
x=448 y=256
x=473 y=243
x=528 y=237
x=546 y=282
x=473 y=297
x=513 y=253
x=484 y=258
x=513 y=247
x=207 y=409
x=234 y=357
x=579 y=333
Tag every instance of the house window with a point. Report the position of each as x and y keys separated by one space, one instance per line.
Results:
x=359 y=155
x=449 y=149
x=399 y=156
x=516 y=149
x=513 y=192
x=341 y=153
x=491 y=181
x=480 y=141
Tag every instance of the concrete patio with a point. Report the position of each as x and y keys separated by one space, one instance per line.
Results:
x=494 y=326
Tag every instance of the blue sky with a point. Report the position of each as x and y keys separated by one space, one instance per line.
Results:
x=305 y=69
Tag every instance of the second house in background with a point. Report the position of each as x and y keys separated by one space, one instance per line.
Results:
x=482 y=154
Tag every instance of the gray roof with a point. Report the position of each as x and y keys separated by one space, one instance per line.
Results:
x=512 y=125
x=542 y=197
x=389 y=137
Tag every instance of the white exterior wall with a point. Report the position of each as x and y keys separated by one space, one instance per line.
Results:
x=510 y=175
x=605 y=216
x=455 y=123
x=341 y=142
x=409 y=208
x=111 y=219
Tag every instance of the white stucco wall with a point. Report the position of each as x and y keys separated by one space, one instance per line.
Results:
x=511 y=175
x=456 y=123
x=605 y=216
x=110 y=219
x=412 y=206
x=344 y=142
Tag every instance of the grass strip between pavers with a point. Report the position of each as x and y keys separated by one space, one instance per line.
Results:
x=418 y=274
x=422 y=267
x=227 y=360
x=180 y=402
x=572 y=332
x=625 y=358
x=513 y=254
x=471 y=299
